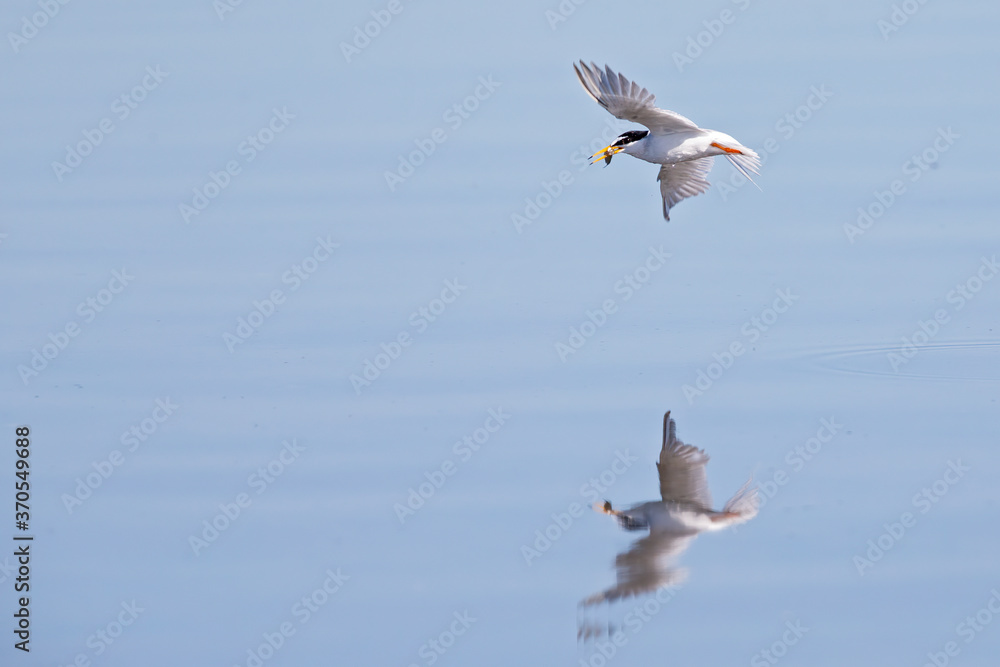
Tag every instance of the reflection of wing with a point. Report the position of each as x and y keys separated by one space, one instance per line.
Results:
x=682 y=180
x=646 y=567
x=682 y=470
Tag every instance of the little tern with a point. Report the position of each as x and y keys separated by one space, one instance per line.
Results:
x=683 y=150
x=683 y=511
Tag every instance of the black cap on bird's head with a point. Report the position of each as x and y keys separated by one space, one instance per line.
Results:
x=618 y=145
x=630 y=522
x=630 y=137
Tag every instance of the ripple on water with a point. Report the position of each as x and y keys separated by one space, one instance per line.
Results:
x=957 y=360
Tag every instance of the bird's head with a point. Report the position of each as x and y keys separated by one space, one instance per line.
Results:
x=625 y=518
x=618 y=145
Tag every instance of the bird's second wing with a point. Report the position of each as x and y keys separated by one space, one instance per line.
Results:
x=682 y=180
x=682 y=470
x=627 y=100
x=645 y=567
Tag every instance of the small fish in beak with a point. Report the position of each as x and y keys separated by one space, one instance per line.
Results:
x=606 y=153
x=603 y=508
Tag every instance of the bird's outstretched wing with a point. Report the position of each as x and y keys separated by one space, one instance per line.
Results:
x=645 y=567
x=682 y=180
x=627 y=100
x=682 y=470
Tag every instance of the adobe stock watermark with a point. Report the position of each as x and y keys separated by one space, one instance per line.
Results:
x=549 y=191
x=365 y=33
x=136 y=435
x=121 y=108
x=87 y=310
x=899 y=16
x=634 y=621
x=968 y=630
x=699 y=43
x=434 y=648
x=7 y=569
x=923 y=501
x=454 y=116
x=562 y=12
x=101 y=640
x=627 y=287
x=797 y=458
x=591 y=491
x=224 y=7
x=420 y=320
x=258 y=481
x=786 y=126
x=794 y=632
x=914 y=169
x=927 y=330
x=295 y=276
x=463 y=450
x=31 y=25
x=302 y=611
x=751 y=330
x=247 y=151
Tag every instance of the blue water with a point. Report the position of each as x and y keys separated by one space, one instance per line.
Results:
x=207 y=287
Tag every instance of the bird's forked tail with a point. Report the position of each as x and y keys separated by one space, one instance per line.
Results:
x=744 y=504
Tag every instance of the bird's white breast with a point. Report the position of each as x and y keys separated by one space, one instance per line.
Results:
x=669 y=148
x=673 y=518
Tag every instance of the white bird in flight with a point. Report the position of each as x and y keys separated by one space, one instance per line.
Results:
x=684 y=510
x=683 y=149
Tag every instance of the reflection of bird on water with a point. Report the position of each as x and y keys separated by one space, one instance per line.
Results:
x=685 y=509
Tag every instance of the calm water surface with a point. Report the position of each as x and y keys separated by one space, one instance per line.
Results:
x=359 y=336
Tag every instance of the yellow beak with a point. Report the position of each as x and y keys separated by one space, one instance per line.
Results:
x=605 y=154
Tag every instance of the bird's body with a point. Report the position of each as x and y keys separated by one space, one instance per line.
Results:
x=683 y=150
x=676 y=147
x=683 y=511
x=669 y=517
